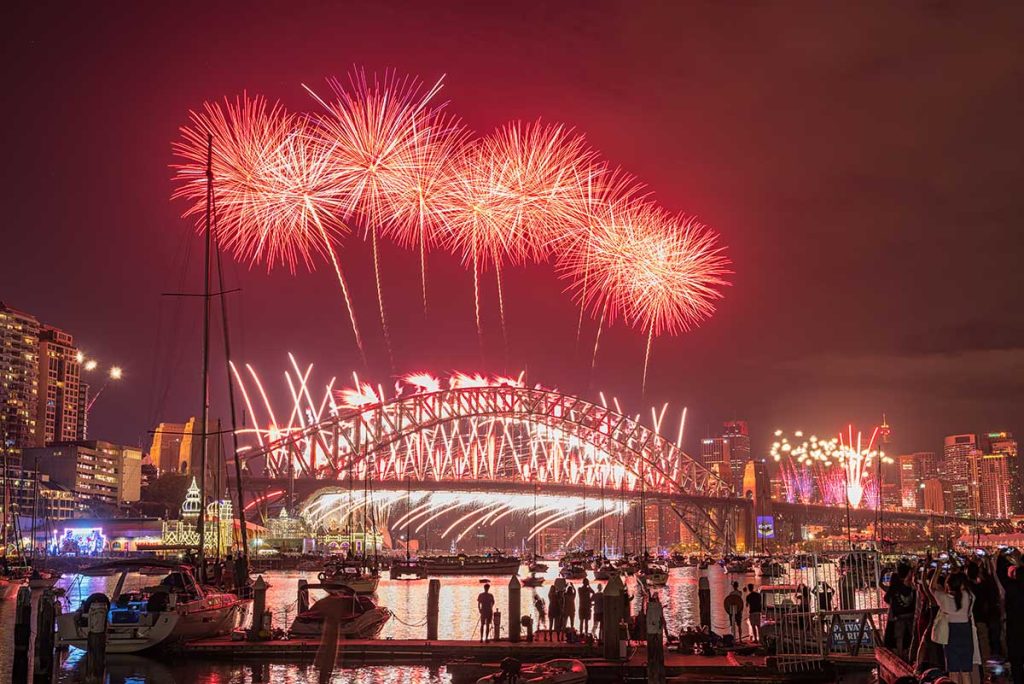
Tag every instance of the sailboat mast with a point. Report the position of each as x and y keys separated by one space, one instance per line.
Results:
x=205 y=401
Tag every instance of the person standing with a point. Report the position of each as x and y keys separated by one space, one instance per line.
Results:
x=901 y=599
x=753 y=602
x=569 y=606
x=734 y=609
x=556 y=621
x=598 y=611
x=586 y=597
x=956 y=604
x=485 y=604
x=542 y=615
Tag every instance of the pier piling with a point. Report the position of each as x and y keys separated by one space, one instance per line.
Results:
x=22 y=635
x=514 y=591
x=96 y=645
x=42 y=670
x=433 y=607
x=704 y=601
x=612 y=616
x=302 y=602
x=655 y=642
x=259 y=605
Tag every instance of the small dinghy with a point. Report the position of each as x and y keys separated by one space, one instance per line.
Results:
x=559 y=671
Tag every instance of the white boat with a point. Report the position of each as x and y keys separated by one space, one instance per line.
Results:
x=145 y=617
x=350 y=577
x=559 y=671
x=360 y=617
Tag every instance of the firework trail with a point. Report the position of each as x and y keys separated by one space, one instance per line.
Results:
x=372 y=130
x=856 y=458
x=659 y=274
x=275 y=194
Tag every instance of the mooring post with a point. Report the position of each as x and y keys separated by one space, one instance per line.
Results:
x=612 y=616
x=433 y=606
x=513 y=608
x=302 y=602
x=655 y=642
x=42 y=670
x=496 y=636
x=704 y=601
x=259 y=605
x=96 y=644
x=22 y=634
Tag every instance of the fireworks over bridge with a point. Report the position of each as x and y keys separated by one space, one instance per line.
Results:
x=476 y=449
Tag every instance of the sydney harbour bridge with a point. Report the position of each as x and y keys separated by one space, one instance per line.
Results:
x=480 y=450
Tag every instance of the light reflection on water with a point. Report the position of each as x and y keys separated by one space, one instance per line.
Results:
x=406 y=598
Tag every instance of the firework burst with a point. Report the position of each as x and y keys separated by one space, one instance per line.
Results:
x=659 y=274
x=277 y=201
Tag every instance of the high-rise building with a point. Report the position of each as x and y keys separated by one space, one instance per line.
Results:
x=727 y=454
x=83 y=411
x=96 y=471
x=59 y=368
x=938 y=497
x=19 y=381
x=914 y=469
x=1004 y=443
x=957 y=471
x=993 y=494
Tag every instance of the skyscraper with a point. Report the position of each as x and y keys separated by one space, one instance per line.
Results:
x=58 y=406
x=1004 y=443
x=728 y=453
x=19 y=380
x=914 y=469
x=958 y=472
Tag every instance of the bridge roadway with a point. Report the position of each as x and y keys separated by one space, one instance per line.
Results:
x=305 y=487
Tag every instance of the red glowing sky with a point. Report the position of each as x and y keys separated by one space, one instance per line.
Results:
x=859 y=160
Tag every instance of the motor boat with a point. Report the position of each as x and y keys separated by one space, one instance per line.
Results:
x=359 y=617
x=351 y=577
x=559 y=671
x=401 y=568
x=140 y=618
x=537 y=566
x=654 y=576
x=772 y=568
x=575 y=570
x=605 y=572
x=533 y=580
x=739 y=566
x=480 y=566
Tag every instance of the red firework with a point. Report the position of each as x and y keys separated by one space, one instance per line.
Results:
x=269 y=182
x=659 y=274
x=275 y=192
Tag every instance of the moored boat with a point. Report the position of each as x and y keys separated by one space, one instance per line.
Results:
x=559 y=671
x=358 y=581
x=147 y=617
x=533 y=580
x=462 y=564
x=358 y=616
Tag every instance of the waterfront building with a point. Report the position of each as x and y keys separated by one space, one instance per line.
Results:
x=57 y=400
x=19 y=382
x=175 y=446
x=993 y=497
x=98 y=472
x=286 y=533
x=913 y=470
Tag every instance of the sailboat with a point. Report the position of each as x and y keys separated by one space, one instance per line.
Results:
x=403 y=568
x=535 y=567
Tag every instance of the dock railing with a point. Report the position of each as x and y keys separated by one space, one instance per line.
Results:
x=828 y=606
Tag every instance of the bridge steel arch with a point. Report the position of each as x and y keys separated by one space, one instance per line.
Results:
x=501 y=432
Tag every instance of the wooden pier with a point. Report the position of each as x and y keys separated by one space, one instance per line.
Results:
x=353 y=652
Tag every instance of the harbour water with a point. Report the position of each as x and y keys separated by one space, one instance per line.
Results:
x=407 y=599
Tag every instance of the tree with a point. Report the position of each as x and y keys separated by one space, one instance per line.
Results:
x=167 y=490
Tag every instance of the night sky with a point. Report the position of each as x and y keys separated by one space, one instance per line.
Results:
x=861 y=160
